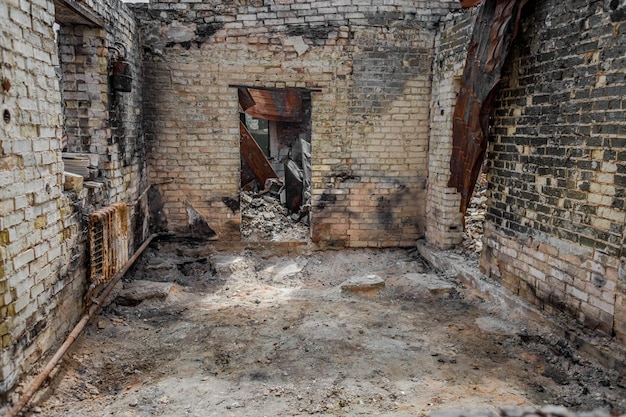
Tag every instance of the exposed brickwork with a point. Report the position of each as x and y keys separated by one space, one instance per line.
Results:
x=83 y=58
x=444 y=220
x=42 y=248
x=31 y=228
x=370 y=122
x=556 y=217
x=99 y=120
x=555 y=228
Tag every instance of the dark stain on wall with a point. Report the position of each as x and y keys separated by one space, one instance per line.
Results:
x=158 y=221
x=231 y=203
x=387 y=220
x=204 y=31
x=381 y=69
x=544 y=162
x=311 y=32
x=383 y=210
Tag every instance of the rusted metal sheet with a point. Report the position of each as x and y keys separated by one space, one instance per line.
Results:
x=253 y=157
x=245 y=99
x=495 y=29
x=284 y=105
x=466 y=4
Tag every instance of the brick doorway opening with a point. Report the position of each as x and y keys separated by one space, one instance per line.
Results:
x=275 y=145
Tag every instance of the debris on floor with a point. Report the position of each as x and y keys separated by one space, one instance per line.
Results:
x=264 y=218
x=137 y=291
x=512 y=411
x=258 y=333
x=363 y=284
x=472 y=243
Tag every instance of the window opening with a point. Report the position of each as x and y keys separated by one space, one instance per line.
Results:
x=82 y=83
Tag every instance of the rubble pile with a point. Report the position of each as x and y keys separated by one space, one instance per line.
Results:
x=475 y=218
x=264 y=218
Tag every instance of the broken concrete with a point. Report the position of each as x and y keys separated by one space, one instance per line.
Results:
x=512 y=411
x=264 y=218
x=283 y=270
x=140 y=290
x=244 y=343
x=434 y=284
x=362 y=283
x=604 y=350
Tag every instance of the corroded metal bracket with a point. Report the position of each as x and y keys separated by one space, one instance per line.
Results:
x=495 y=29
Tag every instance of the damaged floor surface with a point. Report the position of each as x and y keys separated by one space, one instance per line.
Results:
x=198 y=331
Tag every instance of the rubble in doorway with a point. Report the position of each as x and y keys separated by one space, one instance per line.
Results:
x=264 y=218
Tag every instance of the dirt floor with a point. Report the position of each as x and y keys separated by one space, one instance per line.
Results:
x=198 y=331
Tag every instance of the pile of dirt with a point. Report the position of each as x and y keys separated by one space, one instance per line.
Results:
x=251 y=333
x=263 y=218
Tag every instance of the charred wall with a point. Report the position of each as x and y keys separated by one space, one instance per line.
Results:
x=555 y=224
x=444 y=221
x=368 y=67
x=49 y=89
x=101 y=120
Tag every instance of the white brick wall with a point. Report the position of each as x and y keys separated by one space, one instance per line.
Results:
x=444 y=227
x=42 y=276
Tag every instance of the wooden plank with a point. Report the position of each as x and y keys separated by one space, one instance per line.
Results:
x=254 y=157
x=280 y=105
x=245 y=99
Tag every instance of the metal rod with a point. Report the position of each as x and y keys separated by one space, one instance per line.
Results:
x=39 y=380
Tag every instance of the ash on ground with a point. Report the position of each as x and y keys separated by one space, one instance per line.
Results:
x=199 y=330
x=263 y=218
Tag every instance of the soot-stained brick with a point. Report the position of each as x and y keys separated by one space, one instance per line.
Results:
x=311 y=32
x=204 y=31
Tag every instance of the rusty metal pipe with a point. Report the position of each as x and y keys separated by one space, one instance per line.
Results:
x=39 y=380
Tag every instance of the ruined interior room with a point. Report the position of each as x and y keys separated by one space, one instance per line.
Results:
x=285 y=207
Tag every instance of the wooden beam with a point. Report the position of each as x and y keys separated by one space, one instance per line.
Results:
x=254 y=157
